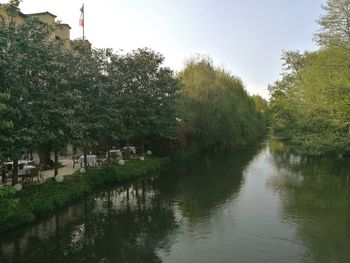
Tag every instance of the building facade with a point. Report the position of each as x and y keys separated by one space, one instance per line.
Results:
x=62 y=31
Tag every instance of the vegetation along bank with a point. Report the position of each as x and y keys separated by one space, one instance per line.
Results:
x=38 y=201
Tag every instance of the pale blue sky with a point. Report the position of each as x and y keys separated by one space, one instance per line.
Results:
x=245 y=37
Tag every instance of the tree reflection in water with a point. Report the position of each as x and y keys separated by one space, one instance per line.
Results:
x=316 y=198
x=133 y=222
x=126 y=224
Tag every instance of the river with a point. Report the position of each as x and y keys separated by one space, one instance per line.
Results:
x=260 y=204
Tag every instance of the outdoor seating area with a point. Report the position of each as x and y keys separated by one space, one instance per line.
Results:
x=30 y=171
x=110 y=156
x=27 y=172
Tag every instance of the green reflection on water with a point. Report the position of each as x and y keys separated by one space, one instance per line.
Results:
x=134 y=222
x=315 y=194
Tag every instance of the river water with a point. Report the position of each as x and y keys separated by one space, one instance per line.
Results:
x=255 y=205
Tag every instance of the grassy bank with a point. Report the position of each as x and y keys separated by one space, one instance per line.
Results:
x=38 y=201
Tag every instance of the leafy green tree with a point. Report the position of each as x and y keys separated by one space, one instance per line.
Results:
x=97 y=117
x=309 y=107
x=335 y=24
x=33 y=75
x=311 y=111
x=217 y=105
x=18 y=46
x=146 y=94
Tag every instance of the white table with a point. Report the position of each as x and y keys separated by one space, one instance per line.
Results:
x=19 y=162
x=26 y=169
x=131 y=148
x=91 y=158
x=115 y=153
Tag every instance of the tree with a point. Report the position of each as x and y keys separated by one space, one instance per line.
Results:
x=146 y=93
x=335 y=24
x=311 y=111
x=18 y=44
x=33 y=75
x=217 y=105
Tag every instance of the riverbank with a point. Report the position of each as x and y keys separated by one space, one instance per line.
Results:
x=39 y=201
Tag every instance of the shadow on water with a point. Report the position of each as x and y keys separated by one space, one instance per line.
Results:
x=130 y=223
x=207 y=181
x=315 y=195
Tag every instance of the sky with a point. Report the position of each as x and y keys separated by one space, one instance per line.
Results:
x=246 y=37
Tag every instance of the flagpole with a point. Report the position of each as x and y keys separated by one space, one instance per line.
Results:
x=83 y=22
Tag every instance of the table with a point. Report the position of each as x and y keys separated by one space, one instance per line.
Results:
x=26 y=169
x=91 y=158
x=131 y=148
x=19 y=162
x=115 y=152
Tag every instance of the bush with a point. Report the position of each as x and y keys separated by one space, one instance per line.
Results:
x=12 y=213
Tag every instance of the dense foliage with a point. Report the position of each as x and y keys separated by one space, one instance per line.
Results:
x=94 y=99
x=50 y=96
x=310 y=105
x=216 y=110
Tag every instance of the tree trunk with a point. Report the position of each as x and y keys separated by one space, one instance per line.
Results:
x=142 y=147
x=44 y=154
x=56 y=163
x=85 y=157
x=15 y=171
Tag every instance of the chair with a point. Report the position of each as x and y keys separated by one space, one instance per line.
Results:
x=75 y=160
x=36 y=172
x=4 y=174
x=21 y=172
x=100 y=160
x=40 y=174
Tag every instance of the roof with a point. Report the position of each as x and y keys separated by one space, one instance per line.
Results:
x=42 y=13
x=66 y=25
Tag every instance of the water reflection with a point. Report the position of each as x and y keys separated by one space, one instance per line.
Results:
x=315 y=195
x=131 y=223
x=207 y=182
x=276 y=207
x=126 y=224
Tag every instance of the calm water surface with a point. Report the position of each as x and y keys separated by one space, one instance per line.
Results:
x=256 y=205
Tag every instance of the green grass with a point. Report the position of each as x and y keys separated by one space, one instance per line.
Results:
x=37 y=201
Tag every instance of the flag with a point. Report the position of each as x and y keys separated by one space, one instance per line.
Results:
x=81 y=20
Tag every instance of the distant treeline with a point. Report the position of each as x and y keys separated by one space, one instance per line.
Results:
x=215 y=107
x=97 y=98
x=310 y=105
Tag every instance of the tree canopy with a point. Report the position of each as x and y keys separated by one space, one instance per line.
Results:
x=217 y=106
x=310 y=105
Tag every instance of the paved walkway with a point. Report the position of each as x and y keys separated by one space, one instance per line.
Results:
x=67 y=168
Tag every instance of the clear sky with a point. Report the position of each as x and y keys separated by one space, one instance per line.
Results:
x=245 y=37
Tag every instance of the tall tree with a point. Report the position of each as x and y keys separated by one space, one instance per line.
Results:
x=146 y=93
x=216 y=104
x=334 y=24
x=18 y=44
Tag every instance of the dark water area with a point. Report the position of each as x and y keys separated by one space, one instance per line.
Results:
x=254 y=205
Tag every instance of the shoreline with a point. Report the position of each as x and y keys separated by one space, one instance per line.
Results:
x=40 y=201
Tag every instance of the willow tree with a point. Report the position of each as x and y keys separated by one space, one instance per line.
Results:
x=216 y=104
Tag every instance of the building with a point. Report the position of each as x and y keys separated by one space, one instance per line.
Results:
x=61 y=33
